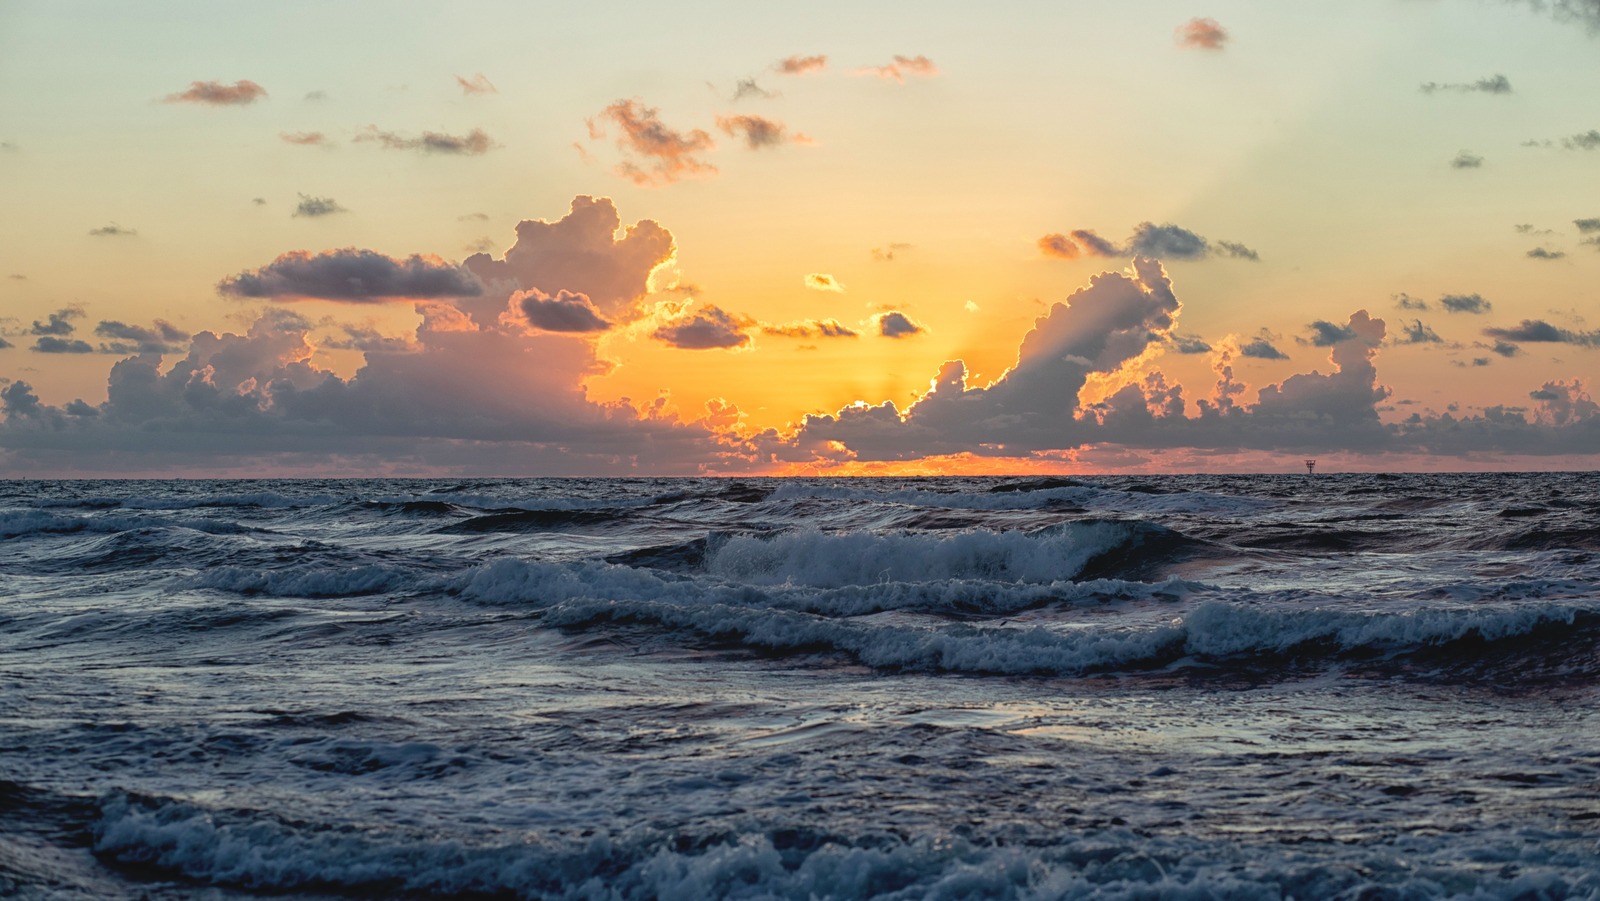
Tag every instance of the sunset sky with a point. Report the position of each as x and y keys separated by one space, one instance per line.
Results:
x=284 y=239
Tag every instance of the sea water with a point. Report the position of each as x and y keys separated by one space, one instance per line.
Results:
x=1206 y=687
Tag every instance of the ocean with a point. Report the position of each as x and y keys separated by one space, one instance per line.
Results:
x=1350 y=686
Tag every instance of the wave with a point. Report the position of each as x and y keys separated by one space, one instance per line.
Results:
x=530 y=521
x=1036 y=495
x=19 y=524
x=321 y=582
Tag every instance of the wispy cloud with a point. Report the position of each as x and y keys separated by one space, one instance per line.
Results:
x=889 y=252
x=1541 y=253
x=314 y=207
x=1538 y=331
x=1466 y=160
x=802 y=65
x=1058 y=246
x=113 y=231
x=759 y=131
x=477 y=84
x=810 y=328
x=900 y=67
x=305 y=138
x=1202 y=34
x=215 y=93
x=664 y=154
x=473 y=143
x=1494 y=84
x=1168 y=241
x=1465 y=303
x=822 y=281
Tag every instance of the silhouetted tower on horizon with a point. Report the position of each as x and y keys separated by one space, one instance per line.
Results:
x=1311 y=467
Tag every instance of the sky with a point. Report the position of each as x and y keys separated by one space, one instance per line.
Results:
x=540 y=239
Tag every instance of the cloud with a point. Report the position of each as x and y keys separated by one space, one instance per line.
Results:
x=369 y=340
x=9 y=147
x=477 y=84
x=810 y=328
x=1201 y=34
x=17 y=276
x=1406 y=302
x=1188 y=344
x=473 y=143
x=1540 y=331
x=1237 y=251
x=315 y=96
x=3 y=345
x=1588 y=140
x=581 y=254
x=663 y=154
x=900 y=67
x=748 y=87
x=161 y=338
x=1094 y=245
x=215 y=93
x=1587 y=226
x=1465 y=160
x=313 y=207
x=895 y=324
x=889 y=253
x=1503 y=348
x=1494 y=84
x=1465 y=303
x=353 y=275
x=759 y=132
x=50 y=344
x=58 y=323
x=1527 y=228
x=566 y=312
x=1262 y=349
x=304 y=138
x=1167 y=242
x=709 y=328
x=822 y=281
x=802 y=65
x=1540 y=253
x=113 y=231
x=259 y=201
x=1327 y=334
x=1417 y=333
x=1058 y=246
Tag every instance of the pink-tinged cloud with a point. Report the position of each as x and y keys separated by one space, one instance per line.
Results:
x=477 y=84
x=304 y=138
x=215 y=93
x=895 y=324
x=710 y=328
x=1202 y=34
x=579 y=253
x=822 y=281
x=759 y=132
x=810 y=328
x=473 y=143
x=566 y=312
x=802 y=65
x=1058 y=246
x=900 y=67
x=352 y=275
x=663 y=155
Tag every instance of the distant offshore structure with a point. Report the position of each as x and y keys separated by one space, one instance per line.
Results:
x=1311 y=467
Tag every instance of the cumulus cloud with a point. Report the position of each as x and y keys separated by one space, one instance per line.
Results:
x=304 y=138
x=759 y=132
x=49 y=344
x=1465 y=303
x=369 y=340
x=901 y=66
x=313 y=207
x=810 y=328
x=354 y=275
x=113 y=231
x=566 y=312
x=1261 y=348
x=1058 y=246
x=709 y=328
x=1466 y=160
x=1531 y=331
x=802 y=65
x=473 y=143
x=1494 y=84
x=822 y=281
x=895 y=324
x=477 y=84
x=662 y=154
x=1202 y=34
x=1541 y=253
x=58 y=323
x=215 y=93
x=160 y=338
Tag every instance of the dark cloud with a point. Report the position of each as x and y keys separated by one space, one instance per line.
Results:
x=1168 y=242
x=1465 y=303
x=759 y=132
x=1237 y=251
x=50 y=344
x=566 y=312
x=1094 y=245
x=810 y=328
x=304 y=138
x=473 y=143
x=113 y=231
x=663 y=154
x=1261 y=349
x=895 y=324
x=1415 y=332
x=1527 y=228
x=1189 y=344
x=889 y=253
x=215 y=93
x=162 y=337
x=1465 y=160
x=1540 y=253
x=1540 y=331
x=477 y=84
x=710 y=328
x=369 y=340
x=901 y=66
x=1503 y=348
x=1327 y=334
x=351 y=274
x=1058 y=246
x=1202 y=34
x=313 y=207
x=1494 y=84
x=5 y=344
x=1588 y=140
x=1587 y=226
x=1406 y=302
x=58 y=323
x=801 y=65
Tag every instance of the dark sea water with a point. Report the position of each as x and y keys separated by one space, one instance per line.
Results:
x=1347 y=686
